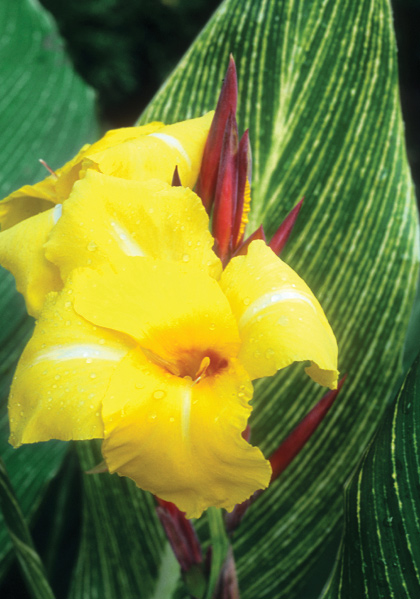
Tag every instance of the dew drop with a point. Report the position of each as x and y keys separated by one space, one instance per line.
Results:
x=171 y=419
x=57 y=377
x=152 y=416
x=159 y=394
x=247 y=301
x=283 y=321
x=67 y=305
x=92 y=246
x=92 y=375
x=139 y=386
x=185 y=258
x=212 y=326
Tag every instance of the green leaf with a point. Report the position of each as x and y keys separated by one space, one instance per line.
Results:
x=319 y=92
x=32 y=568
x=46 y=112
x=380 y=554
x=219 y=543
x=121 y=537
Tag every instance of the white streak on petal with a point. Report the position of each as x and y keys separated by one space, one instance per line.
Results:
x=126 y=242
x=271 y=299
x=79 y=352
x=172 y=142
x=186 y=411
x=57 y=212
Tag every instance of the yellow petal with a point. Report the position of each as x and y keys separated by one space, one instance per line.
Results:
x=165 y=306
x=33 y=199
x=115 y=137
x=130 y=152
x=279 y=319
x=107 y=218
x=22 y=252
x=25 y=202
x=155 y=156
x=62 y=376
x=182 y=441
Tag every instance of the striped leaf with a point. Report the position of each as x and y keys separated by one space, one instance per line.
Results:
x=46 y=112
x=30 y=563
x=380 y=555
x=319 y=92
x=122 y=540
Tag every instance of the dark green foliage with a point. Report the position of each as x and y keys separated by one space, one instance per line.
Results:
x=126 y=48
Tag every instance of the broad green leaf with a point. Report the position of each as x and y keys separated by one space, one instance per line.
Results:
x=30 y=563
x=45 y=112
x=319 y=92
x=122 y=540
x=380 y=554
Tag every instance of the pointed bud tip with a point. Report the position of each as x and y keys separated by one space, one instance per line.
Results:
x=282 y=234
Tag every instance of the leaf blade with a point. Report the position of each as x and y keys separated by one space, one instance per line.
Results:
x=318 y=89
x=380 y=555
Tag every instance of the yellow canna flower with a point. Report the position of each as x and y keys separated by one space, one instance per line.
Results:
x=133 y=153
x=152 y=348
x=150 y=330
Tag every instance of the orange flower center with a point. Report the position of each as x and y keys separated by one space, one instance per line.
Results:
x=192 y=364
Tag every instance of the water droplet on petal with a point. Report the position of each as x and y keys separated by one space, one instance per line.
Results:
x=283 y=320
x=185 y=258
x=92 y=375
x=159 y=394
x=92 y=246
x=247 y=301
x=212 y=326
